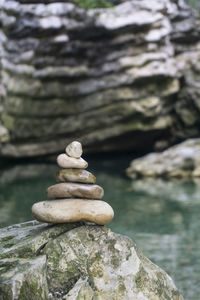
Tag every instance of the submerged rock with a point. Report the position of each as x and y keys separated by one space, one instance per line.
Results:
x=182 y=161
x=77 y=261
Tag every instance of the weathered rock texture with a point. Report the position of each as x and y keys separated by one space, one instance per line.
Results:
x=77 y=262
x=125 y=76
x=181 y=161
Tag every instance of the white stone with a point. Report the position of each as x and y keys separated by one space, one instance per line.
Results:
x=67 y=162
x=74 y=149
x=73 y=210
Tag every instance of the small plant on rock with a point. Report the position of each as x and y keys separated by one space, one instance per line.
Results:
x=90 y=4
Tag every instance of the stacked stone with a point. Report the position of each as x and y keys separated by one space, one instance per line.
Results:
x=77 y=196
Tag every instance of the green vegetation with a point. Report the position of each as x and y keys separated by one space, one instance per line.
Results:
x=193 y=3
x=90 y=4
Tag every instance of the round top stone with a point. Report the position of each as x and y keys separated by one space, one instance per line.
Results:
x=74 y=149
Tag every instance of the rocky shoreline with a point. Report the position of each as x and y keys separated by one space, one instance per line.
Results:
x=181 y=161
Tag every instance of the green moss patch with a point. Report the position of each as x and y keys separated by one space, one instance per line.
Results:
x=90 y=4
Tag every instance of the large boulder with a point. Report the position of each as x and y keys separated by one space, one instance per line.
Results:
x=110 y=77
x=179 y=161
x=77 y=261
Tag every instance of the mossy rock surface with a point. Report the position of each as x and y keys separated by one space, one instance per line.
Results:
x=76 y=261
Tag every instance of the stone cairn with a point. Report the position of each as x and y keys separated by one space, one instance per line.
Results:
x=77 y=196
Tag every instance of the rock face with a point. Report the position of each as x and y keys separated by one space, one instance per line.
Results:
x=181 y=161
x=77 y=261
x=126 y=76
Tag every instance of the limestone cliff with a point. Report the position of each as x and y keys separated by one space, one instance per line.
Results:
x=125 y=76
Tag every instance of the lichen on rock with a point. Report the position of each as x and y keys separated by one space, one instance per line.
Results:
x=77 y=261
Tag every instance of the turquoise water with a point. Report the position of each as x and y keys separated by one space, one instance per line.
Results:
x=162 y=217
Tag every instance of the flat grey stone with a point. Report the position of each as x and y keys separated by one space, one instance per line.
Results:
x=73 y=210
x=75 y=175
x=75 y=190
x=65 y=161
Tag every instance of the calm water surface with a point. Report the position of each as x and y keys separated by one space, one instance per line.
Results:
x=162 y=217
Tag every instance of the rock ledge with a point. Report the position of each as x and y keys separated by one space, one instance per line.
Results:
x=179 y=161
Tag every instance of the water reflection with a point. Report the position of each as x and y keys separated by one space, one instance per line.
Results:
x=162 y=217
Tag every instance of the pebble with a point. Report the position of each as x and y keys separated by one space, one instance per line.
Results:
x=73 y=210
x=65 y=161
x=77 y=190
x=75 y=175
x=74 y=149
